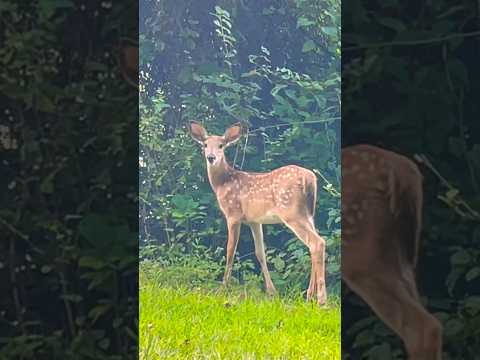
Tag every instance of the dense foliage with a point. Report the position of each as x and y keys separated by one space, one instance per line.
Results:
x=410 y=86
x=272 y=64
x=68 y=237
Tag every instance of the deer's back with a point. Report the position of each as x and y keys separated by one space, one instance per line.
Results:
x=265 y=197
x=381 y=203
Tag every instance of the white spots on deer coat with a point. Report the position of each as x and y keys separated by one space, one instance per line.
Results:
x=367 y=174
x=249 y=196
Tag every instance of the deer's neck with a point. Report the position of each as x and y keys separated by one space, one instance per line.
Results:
x=220 y=174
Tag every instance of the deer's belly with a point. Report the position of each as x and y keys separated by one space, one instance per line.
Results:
x=267 y=218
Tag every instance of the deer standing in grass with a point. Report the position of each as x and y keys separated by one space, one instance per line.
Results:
x=382 y=201
x=381 y=222
x=285 y=195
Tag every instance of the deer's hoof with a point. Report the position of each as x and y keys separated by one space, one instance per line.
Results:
x=271 y=292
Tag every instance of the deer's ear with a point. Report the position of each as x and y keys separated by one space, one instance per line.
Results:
x=233 y=134
x=199 y=134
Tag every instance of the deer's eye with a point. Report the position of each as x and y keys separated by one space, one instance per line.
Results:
x=221 y=146
x=204 y=145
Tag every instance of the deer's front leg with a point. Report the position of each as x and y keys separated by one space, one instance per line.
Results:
x=257 y=233
x=233 y=235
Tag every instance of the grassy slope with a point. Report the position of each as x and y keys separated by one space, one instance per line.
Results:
x=178 y=322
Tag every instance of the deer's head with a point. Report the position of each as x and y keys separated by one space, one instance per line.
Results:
x=215 y=145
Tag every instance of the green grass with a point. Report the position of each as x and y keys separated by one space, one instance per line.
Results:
x=181 y=321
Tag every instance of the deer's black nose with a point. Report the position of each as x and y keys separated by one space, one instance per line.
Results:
x=211 y=158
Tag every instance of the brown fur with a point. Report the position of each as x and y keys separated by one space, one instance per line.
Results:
x=285 y=195
x=381 y=224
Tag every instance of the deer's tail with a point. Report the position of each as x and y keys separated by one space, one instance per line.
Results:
x=311 y=193
x=406 y=201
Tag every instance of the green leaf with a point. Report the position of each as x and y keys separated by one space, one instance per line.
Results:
x=219 y=10
x=309 y=45
x=44 y=103
x=473 y=302
x=117 y=322
x=104 y=344
x=98 y=278
x=46 y=186
x=382 y=351
x=91 y=262
x=461 y=257
x=98 y=311
x=453 y=327
x=45 y=269
x=363 y=339
x=451 y=194
x=47 y=8
x=361 y=324
x=304 y=22
x=452 y=279
x=329 y=30
x=472 y=274
x=277 y=88
x=278 y=263
x=72 y=298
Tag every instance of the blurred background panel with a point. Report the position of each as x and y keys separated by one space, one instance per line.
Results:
x=409 y=85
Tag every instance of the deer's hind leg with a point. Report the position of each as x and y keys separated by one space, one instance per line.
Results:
x=306 y=232
x=395 y=300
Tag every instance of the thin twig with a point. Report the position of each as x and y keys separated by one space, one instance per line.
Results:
x=13 y=229
x=412 y=42
x=66 y=302
x=262 y=128
x=245 y=255
x=236 y=154
x=20 y=234
x=329 y=187
x=322 y=176
x=166 y=231
x=472 y=214
x=14 y=286
x=244 y=151
x=421 y=158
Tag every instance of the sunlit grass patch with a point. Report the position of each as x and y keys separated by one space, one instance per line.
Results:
x=180 y=322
